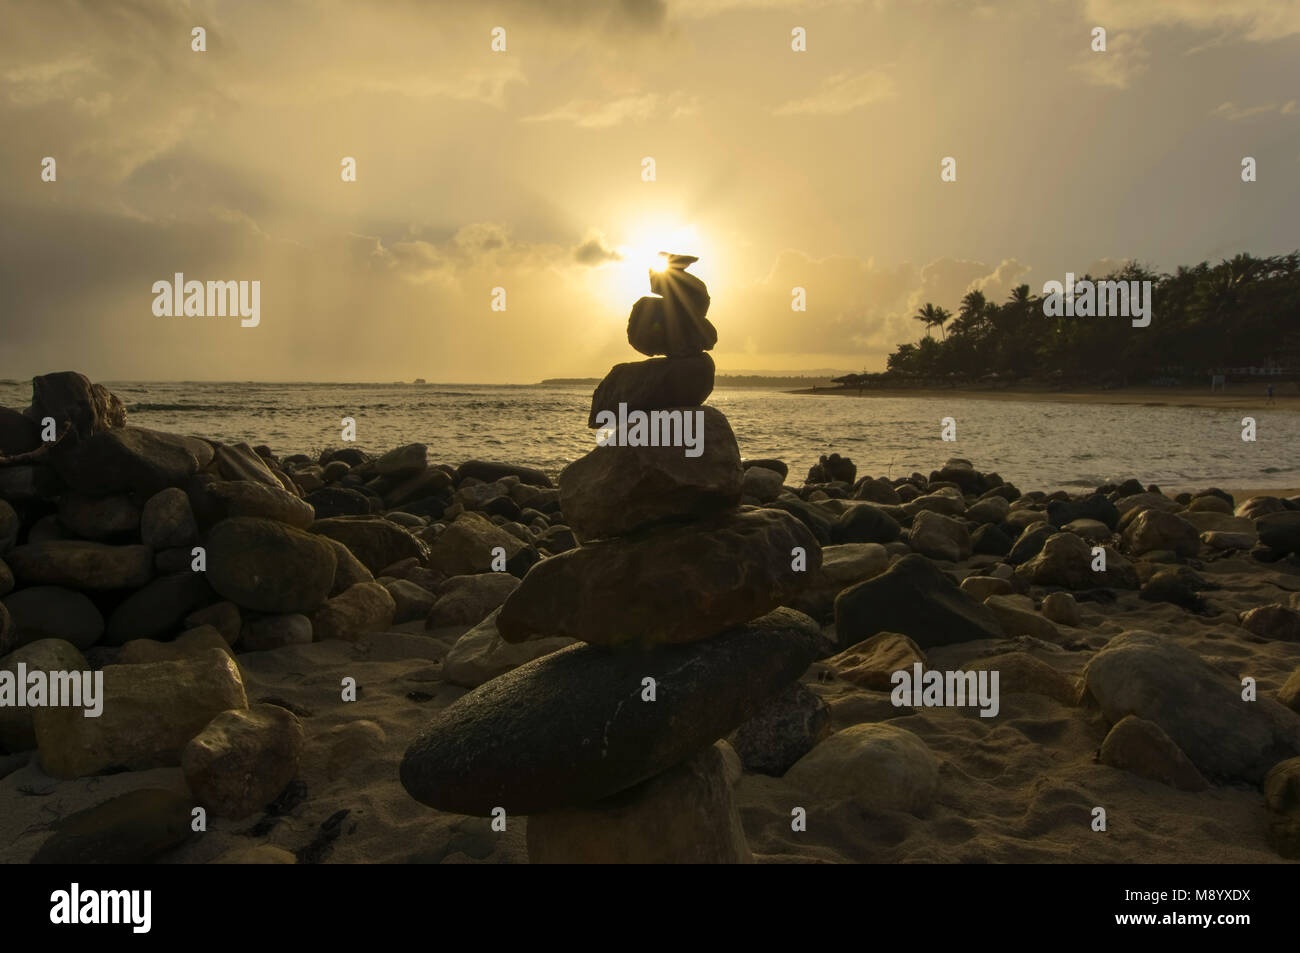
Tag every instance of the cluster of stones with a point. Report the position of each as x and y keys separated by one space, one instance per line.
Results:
x=685 y=576
x=963 y=557
x=1150 y=541
x=674 y=597
x=160 y=559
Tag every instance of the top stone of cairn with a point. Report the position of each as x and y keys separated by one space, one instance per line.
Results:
x=674 y=323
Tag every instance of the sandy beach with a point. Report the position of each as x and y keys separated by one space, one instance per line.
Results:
x=355 y=657
x=1237 y=398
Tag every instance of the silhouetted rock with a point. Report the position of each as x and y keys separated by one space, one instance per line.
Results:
x=1199 y=707
x=377 y=542
x=156 y=610
x=913 y=598
x=75 y=404
x=685 y=815
x=18 y=433
x=491 y=472
x=865 y=524
x=214 y=501
x=339 y=501
x=365 y=607
x=990 y=540
x=516 y=741
x=613 y=490
x=240 y=462
x=1280 y=531
x=1095 y=507
x=132 y=828
x=832 y=468
x=655 y=384
x=782 y=732
x=768 y=464
x=267 y=566
x=130 y=459
x=674 y=324
x=81 y=565
x=671 y=583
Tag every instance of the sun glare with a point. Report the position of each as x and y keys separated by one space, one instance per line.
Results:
x=645 y=251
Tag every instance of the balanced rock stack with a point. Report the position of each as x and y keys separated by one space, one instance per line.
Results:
x=676 y=590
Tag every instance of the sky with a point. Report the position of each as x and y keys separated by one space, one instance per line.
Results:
x=524 y=169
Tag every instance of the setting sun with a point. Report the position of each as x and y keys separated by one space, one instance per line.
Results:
x=646 y=251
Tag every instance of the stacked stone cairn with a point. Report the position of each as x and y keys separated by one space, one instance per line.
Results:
x=675 y=595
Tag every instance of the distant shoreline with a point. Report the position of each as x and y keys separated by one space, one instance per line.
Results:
x=1235 y=399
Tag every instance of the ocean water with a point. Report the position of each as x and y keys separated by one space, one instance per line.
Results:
x=1036 y=445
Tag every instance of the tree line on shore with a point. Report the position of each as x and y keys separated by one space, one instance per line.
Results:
x=1241 y=313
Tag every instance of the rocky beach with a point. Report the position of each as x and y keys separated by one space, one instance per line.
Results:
x=389 y=657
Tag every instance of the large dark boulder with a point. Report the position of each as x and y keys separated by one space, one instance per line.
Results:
x=865 y=523
x=613 y=490
x=1095 y=507
x=654 y=385
x=215 y=500
x=819 y=521
x=914 y=598
x=572 y=727
x=18 y=433
x=671 y=583
x=268 y=566
x=130 y=459
x=1280 y=531
x=76 y=404
x=377 y=542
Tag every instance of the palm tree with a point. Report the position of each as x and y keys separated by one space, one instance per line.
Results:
x=972 y=309
x=972 y=304
x=929 y=316
x=941 y=317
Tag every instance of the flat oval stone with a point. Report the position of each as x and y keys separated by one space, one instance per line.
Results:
x=654 y=384
x=571 y=728
x=673 y=583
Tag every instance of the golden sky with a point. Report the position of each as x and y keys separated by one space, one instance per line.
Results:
x=522 y=170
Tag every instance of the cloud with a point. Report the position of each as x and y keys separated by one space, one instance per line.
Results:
x=594 y=251
x=1259 y=21
x=700 y=9
x=1124 y=59
x=858 y=310
x=483 y=86
x=997 y=287
x=1232 y=112
x=596 y=114
x=842 y=93
x=607 y=15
